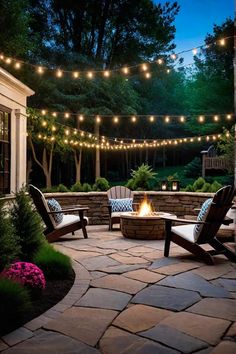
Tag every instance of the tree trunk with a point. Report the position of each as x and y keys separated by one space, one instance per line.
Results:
x=154 y=158
x=78 y=159
x=164 y=156
x=102 y=25
x=97 y=153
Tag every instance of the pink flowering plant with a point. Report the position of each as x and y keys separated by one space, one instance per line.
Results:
x=27 y=274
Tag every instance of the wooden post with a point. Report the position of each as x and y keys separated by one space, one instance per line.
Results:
x=203 y=165
x=97 y=156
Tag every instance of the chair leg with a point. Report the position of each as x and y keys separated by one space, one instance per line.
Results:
x=167 y=238
x=222 y=249
x=73 y=233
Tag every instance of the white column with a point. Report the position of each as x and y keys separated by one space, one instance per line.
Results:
x=21 y=148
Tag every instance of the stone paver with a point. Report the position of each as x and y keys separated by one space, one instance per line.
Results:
x=225 y=347
x=165 y=297
x=142 y=250
x=194 y=282
x=209 y=272
x=165 y=261
x=120 y=283
x=128 y=259
x=105 y=299
x=144 y=275
x=122 y=268
x=177 y=268
x=51 y=343
x=116 y=341
x=229 y=284
x=220 y=308
x=232 y=331
x=230 y=275
x=174 y=338
x=97 y=263
x=140 y=317
x=2 y=345
x=207 y=329
x=84 y=324
x=17 y=336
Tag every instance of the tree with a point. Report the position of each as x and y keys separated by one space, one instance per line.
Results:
x=226 y=147
x=210 y=88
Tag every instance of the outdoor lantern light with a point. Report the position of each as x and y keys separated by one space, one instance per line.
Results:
x=164 y=185
x=175 y=186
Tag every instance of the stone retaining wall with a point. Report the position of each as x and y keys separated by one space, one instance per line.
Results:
x=179 y=203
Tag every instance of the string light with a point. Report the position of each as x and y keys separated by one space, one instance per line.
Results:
x=81 y=118
x=151 y=119
x=98 y=119
x=67 y=115
x=116 y=119
x=201 y=119
x=167 y=119
x=229 y=116
x=54 y=114
x=125 y=70
x=133 y=119
x=147 y=75
x=182 y=119
x=216 y=118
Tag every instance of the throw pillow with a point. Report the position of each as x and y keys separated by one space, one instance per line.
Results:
x=55 y=206
x=121 y=204
x=201 y=217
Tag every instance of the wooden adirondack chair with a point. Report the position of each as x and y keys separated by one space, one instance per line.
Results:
x=183 y=235
x=117 y=192
x=70 y=223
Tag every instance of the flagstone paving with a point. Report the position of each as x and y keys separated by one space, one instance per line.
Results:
x=128 y=298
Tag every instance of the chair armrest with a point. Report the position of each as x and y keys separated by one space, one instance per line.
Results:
x=227 y=221
x=68 y=210
x=183 y=221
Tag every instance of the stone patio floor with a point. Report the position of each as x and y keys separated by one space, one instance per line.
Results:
x=128 y=298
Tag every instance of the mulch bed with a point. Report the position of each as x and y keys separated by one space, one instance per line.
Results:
x=54 y=292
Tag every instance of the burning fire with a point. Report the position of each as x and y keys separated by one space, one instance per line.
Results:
x=145 y=208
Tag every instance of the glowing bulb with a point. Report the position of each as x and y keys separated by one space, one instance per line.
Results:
x=39 y=136
x=144 y=67
x=207 y=138
x=81 y=118
x=201 y=119
x=17 y=65
x=214 y=137
x=133 y=140
x=191 y=140
x=160 y=61
x=147 y=75
x=216 y=118
x=222 y=42
x=133 y=119
x=75 y=74
x=106 y=73
x=44 y=123
x=116 y=119
x=54 y=128
x=229 y=116
x=90 y=75
x=98 y=119
x=151 y=118
x=125 y=70
x=194 y=51
x=167 y=119
x=40 y=70
x=173 y=56
x=54 y=114
x=227 y=134
x=43 y=112
x=8 y=60
x=182 y=119
x=59 y=73
x=168 y=71
x=2 y=57
x=82 y=133
x=67 y=132
x=199 y=138
x=67 y=115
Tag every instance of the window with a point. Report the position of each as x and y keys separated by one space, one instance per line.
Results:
x=4 y=151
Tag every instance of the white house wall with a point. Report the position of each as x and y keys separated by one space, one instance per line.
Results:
x=13 y=96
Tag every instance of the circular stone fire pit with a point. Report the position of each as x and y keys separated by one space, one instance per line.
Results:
x=143 y=227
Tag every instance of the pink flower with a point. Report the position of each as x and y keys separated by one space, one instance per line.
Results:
x=26 y=274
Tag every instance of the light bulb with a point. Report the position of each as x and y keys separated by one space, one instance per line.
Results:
x=17 y=65
x=222 y=41
x=67 y=115
x=167 y=119
x=201 y=119
x=8 y=60
x=98 y=119
x=144 y=67
x=147 y=75
x=133 y=119
x=106 y=73
x=81 y=118
x=182 y=119
x=160 y=61
x=90 y=75
x=40 y=70
x=173 y=56
x=216 y=118
x=125 y=70
x=194 y=51
x=151 y=118
x=116 y=119
x=54 y=114
x=75 y=74
x=59 y=73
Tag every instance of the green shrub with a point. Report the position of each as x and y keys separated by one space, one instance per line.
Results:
x=77 y=187
x=101 y=184
x=189 y=188
x=198 y=184
x=9 y=243
x=215 y=187
x=193 y=168
x=62 y=188
x=54 y=264
x=52 y=189
x=27 y=225
x=87 y=187
x=206 y=187
x=141 y=178
x=14 y=303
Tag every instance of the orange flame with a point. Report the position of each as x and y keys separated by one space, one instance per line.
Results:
x=145 y=208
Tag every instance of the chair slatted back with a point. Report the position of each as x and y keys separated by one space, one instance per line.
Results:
x=119 y=192
x=39 y=202
x=221 y=203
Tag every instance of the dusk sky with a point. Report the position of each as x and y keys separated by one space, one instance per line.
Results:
x=196 y=19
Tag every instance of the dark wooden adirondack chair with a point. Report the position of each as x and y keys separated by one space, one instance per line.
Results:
x=183 y=235
x=70 y=223
x=117 y=192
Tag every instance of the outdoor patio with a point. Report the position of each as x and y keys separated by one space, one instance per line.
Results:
x=128 y=298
